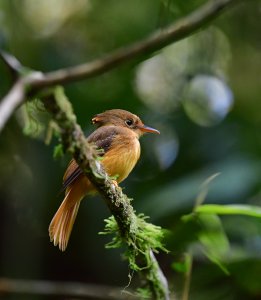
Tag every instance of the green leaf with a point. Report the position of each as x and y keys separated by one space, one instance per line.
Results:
x=213 y=239
x=204 y=190
x=232 y=209
x=58 y=151
x=183 y=266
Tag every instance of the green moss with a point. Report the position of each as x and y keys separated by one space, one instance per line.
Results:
x=58 y=151
x=143 y=239
x=32 y=117
x=65 y=105
x=143 y=236
x=144 y=293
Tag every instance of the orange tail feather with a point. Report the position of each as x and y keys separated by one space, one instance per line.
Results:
x=62 y=223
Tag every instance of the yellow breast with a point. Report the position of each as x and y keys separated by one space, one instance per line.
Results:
x=122 y=157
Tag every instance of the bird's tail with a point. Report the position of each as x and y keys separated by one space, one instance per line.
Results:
x=62 y=223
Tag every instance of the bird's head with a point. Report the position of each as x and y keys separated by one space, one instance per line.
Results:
x=123 y=118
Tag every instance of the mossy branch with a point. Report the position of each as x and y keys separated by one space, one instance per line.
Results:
x=140 y=238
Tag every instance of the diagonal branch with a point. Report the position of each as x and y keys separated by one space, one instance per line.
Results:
x=12 y=64
x=175 y=32
x=11 y=101
x=16 y=96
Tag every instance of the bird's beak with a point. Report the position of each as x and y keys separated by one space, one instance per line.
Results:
x=148 y=129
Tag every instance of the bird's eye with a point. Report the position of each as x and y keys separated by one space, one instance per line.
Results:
x=129 y=122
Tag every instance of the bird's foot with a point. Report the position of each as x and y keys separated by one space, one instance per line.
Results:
x=115 y=183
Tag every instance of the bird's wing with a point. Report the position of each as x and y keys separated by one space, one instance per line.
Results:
x=102 y=138
x=71 y=174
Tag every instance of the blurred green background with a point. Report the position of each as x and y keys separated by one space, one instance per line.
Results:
x=202 y=93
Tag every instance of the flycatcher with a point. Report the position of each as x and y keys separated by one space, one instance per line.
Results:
x=118 y=135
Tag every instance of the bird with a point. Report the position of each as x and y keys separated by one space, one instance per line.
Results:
x=117 y=135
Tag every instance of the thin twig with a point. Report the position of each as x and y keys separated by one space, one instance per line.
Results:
x=175 y=32
x=185 y=294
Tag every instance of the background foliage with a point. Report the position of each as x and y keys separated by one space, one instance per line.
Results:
x=202 y=93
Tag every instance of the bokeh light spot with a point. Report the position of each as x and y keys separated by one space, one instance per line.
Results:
x=207 y=100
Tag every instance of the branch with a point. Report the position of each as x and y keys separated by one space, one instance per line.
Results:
x=12 y=64
x=11 y=101
x=69 y=289
x=175 y=32
x=16 y=96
